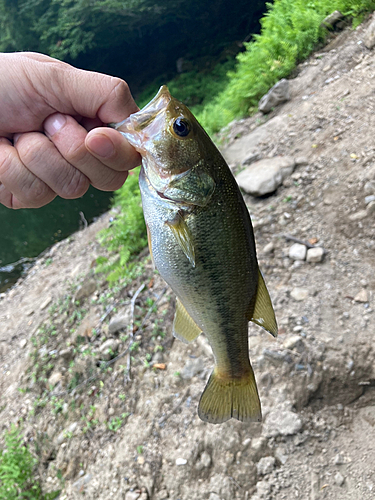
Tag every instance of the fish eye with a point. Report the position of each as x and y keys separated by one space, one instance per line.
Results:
x=181 y=127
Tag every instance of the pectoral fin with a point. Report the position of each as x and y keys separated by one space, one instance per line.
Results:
x=183 y=236
x=184 y=327
x=262 y=312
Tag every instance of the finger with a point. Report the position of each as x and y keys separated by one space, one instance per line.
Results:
x=42 y=159
x=69 y=138
x=8 y=199
x=26 y=189
x=112 y=149
x=85 y=93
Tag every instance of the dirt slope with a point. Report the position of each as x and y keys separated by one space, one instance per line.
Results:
x=110 y=435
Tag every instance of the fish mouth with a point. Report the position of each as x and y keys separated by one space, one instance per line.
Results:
x=134 y=127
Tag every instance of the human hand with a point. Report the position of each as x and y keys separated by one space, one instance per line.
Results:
x=51 y=137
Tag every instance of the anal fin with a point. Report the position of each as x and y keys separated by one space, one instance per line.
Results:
x=184 y=327
x=262 y=312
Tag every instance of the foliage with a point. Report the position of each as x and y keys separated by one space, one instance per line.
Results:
x=17 y=467
x=127 y=234
x=291 y=29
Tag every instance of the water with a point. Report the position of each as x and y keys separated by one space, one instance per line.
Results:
x=26 y=233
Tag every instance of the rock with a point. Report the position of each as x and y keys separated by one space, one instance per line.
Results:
x=331 y=20
x=108 y=348
x=362 y=214
x=370 y=210
x=266 y=465
x=23 y=343
x=263 y=489
x=278 y=94
x=265 y=176
x=55 y=378
x=369 y=38
x=269 y=248
x=66 y=354
x=369 y=199
x=339 y=479
x=252 y=157
x=192 y=367
x=45 y=303
x=297 y=252
x=281 y=455
x=214 y=496
x=281 y=422
x=181 y=461
x=204 y=461
x=315 y=254
x=301 y=161
x=362 y=296
x=132 y=495
x=82 y=481
x=161 y=495
x=119 y=322
x=299 y=294
x=293 y=342
x=369 y=187
x=87 y=288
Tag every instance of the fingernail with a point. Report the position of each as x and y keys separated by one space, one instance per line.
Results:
x=100 y=145
x=54 y=123
x=15 y=138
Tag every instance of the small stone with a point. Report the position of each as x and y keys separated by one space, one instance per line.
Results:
x=293 y=342
x=181 y=461
x=281 y=455
x=278 y=94
x=369 y=199
x=281 y=422
x=362 y=296
x=108 y=348
x=339 y=459
x=87 y=288
x=265 y=465
x=299 y=294
x=161 y=495
x=370 y=210
x=23 y=343
x=204 y=461
x=214 y=496
x=362 y=214
x=269 y=248
x=132 y=495
x=55 y=378
x=119 y=322
x=301 y=161
x=315 y=254
x=82 y=481
x=45 y=303
x=140 y=459
x=297 y=252
x=192 y=367
x=369 y=187
x=339 y=479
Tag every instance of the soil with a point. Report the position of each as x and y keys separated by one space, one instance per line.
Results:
x=126 y=427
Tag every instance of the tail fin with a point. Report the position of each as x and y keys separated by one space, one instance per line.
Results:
x=223 y=399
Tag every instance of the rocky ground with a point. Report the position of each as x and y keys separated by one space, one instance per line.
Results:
x=109 y=398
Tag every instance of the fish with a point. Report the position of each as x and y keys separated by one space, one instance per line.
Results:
x=201 y=241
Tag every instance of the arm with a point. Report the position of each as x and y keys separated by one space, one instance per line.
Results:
x=52 y=141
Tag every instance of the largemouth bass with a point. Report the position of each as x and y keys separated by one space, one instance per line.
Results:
x=201 y=241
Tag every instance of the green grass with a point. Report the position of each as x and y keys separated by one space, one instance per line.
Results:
x=290 y=32
x=17 y=470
